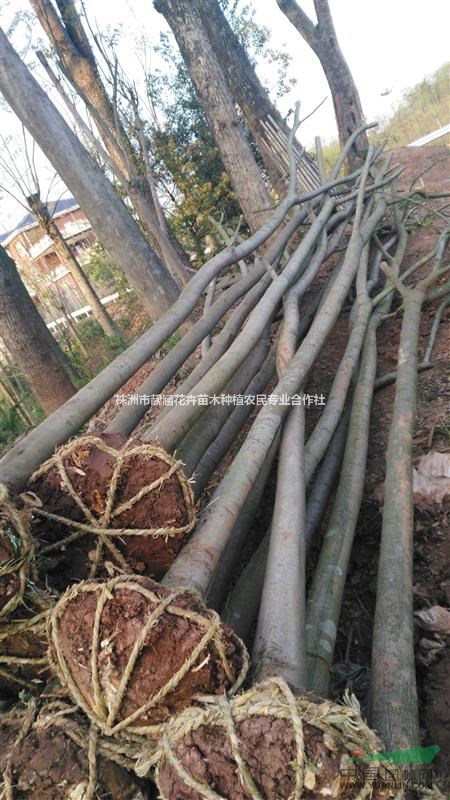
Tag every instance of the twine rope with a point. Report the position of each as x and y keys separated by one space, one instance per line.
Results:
x=270 y=698
x=60 y=715
x=106 y=718
x=100 y=526
x=21 y=565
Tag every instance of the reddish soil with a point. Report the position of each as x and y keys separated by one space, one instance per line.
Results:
x=89 y=470
x=167 y=647
x=48 y=765
x=30 y=644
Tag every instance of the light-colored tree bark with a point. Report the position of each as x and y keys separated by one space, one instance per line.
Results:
x=248 y=91
x=209 y=81
x=322 y=39
x=114 y=225
x=77 y=61
x=29 y=341
x=47 y=223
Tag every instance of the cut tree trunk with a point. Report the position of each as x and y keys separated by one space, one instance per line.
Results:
x=209 y=81
x=29 y=341
x=114 y=225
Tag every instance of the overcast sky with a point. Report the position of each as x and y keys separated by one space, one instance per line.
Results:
x=389 y=44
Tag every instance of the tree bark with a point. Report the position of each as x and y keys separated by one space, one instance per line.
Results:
x=248 y=91
x=113 y=224
x=209 y=81
x=29 y=341
x=78 y=64
x=50 y=227
x=323 y=41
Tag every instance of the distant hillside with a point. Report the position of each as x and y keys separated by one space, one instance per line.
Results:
x=424 y=108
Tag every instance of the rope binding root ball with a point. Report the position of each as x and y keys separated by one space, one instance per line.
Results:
x=96 y=498
x=132 y=653
x=16 y=553
x=264 y=744
x=52 y=755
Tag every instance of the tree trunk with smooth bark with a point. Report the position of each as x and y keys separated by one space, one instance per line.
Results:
x=50 y=227
x=29 y=341
x=109 y=217
x=77 y=62
x=323 y=41
x=209 y=81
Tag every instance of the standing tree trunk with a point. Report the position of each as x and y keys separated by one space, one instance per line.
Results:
x=29 y=341
x=50 y=227
x=248 y=91
x=77 y=62
x=323 y=40
x=209 y=81
x=112 y=222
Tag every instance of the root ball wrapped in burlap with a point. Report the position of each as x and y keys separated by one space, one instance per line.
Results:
x=264 y=744
x=16 y=553
x=102 y=498
x=132 y=652
x=52 y=755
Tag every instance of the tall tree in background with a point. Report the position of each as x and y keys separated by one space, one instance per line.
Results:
x=26 y=191
x=323 y=41
x=114 y=225
x=77 y=62
x=198 y=53
x=48 y=224
x=29 y=341
x=246 y=88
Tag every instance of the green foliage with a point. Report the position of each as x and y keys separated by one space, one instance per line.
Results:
x=424 y=108
x=188 y=170
x=11 y=425
x=102 y=270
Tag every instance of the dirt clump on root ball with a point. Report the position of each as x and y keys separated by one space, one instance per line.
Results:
x=44 y=761
x=127 y=503
x=132 y=652
x=262 y=744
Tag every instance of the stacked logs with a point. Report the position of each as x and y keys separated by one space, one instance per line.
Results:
x=110 y=554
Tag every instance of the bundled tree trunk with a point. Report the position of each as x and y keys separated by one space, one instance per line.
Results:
x=29 y=341
x=209 y=80
x=77 y=61
x=394 y=709
x=323 y=41
x=112 y=222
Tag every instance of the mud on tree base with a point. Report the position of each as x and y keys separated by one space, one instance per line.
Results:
x=264 y=744
x=50 y=763
x=101 y=482
x=154 y=651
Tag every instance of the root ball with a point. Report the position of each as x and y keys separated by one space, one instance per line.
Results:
x=264 y=744
x=130 y=504
x=132 y=652
x=49 y=757
x=16 y=553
